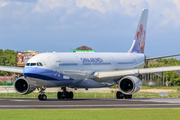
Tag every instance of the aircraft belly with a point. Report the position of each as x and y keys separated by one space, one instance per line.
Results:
x=93 y=84
x=48 y=83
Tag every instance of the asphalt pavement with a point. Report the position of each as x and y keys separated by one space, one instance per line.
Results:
x=11 y=103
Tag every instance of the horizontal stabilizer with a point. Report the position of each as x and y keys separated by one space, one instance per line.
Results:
x=177 y=71
x=162 y=57
x=159 y=74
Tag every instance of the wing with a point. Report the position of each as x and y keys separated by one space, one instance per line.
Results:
x=11 y=69
x=120 y=73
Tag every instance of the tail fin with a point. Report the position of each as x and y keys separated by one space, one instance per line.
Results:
x=139 y=39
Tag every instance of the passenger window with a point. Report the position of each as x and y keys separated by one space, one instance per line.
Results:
x=27 y=64
x=33 y=64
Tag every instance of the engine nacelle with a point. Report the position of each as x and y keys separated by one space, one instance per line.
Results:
x=23 y=87
x=129 y=85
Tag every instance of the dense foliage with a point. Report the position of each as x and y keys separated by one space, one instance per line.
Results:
x=172 y=77
x=7 y=58
x=84 y=48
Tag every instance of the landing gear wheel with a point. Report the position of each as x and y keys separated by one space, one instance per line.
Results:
x=128 y=96
x=71 y=95
x=67 y=95
x=119 y=95
x=42 y=97
x=59 y=95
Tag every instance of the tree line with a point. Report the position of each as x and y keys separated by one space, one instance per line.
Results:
x=172 y=77
x=7 y=58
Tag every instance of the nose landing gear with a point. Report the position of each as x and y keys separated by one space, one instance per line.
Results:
x=42 y=96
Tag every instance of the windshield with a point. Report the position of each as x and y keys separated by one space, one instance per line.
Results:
x=39 y=64
x=33 y=64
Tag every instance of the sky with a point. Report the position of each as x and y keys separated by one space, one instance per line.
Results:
x=103 y=25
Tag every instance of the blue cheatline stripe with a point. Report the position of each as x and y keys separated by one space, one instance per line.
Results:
x=44 y=74
x=37 y=76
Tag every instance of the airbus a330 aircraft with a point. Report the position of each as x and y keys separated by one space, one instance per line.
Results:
x=88 y=69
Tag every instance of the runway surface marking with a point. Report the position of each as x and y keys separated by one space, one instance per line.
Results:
x=58 y=106
x=20 y=100
x=10 y=103
x=160 y=100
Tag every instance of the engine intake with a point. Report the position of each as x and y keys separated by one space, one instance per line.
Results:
x=130 y=85
x=23 y=87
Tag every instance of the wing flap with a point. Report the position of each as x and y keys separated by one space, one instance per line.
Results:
x=135 y=71
x=12 y=69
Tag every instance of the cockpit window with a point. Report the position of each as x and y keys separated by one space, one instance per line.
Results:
x=27 y=64
x=33 y=64
x=39 y=64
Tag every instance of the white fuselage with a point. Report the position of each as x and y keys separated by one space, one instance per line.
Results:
x=73 y=69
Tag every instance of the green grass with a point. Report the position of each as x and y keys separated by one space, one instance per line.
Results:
x=91 y=95
x=54 y=95
x=145 y=87
x=155 y=95
x=160 y=87
x=92 y=114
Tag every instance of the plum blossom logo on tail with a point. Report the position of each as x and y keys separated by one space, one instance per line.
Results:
x=141 y=35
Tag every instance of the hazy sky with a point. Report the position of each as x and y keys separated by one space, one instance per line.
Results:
x=104 y=25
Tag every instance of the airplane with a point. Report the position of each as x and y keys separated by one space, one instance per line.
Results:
x=88 y=69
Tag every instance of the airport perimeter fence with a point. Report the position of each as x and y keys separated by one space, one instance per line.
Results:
x=93 y=95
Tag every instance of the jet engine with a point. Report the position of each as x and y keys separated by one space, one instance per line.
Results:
x=129 y=85
x=23 y=87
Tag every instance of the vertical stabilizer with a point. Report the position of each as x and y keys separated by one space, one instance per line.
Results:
x=140 y=36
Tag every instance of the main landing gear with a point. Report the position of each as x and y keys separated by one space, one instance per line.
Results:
x=120 y=95
x=65 y=94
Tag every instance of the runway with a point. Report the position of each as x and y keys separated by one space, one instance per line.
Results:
x=89 y=103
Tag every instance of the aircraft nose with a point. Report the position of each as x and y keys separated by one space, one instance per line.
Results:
x=28 y=70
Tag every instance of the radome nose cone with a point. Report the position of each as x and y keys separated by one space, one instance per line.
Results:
x=28 y=70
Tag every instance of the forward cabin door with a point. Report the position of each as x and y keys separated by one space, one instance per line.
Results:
x=53 y=63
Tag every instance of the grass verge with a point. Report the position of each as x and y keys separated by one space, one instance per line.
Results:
x=92 y=95
x=92 y=114
x=146 y=87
